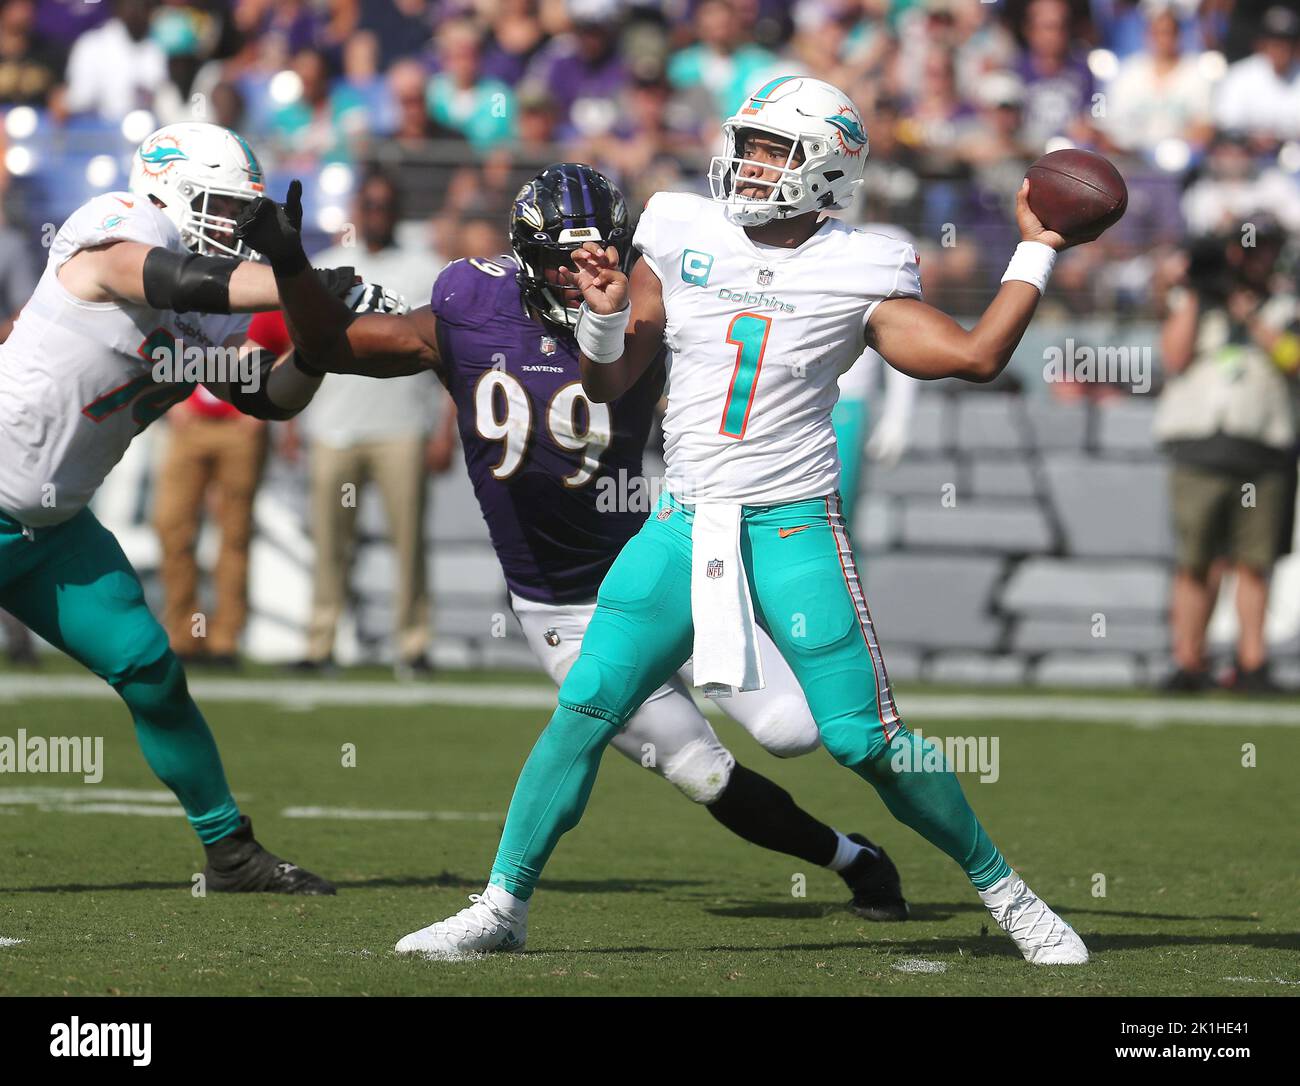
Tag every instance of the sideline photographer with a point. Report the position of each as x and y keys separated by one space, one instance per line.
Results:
x=1227 y=420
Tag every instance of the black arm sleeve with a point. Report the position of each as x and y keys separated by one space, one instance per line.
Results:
x=252 y=399
x=187 y=282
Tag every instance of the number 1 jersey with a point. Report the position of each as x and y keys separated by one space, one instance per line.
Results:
x=758 y=337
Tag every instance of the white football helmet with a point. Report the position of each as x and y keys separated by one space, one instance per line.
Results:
x=822 y=125
x=183 y=166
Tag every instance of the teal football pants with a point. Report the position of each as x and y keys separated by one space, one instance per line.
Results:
x=72 y=585
x=806 y=594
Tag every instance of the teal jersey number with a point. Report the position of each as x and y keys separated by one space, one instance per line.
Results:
x=748 y=331
x=148 y=399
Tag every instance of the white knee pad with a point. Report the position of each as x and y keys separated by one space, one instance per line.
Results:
x=700 y=770
x=785 y=727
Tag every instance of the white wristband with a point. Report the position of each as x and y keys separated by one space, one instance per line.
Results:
x=1031 y=263
x=600 y=335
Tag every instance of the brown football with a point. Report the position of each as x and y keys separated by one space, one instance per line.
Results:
x=1076 y=193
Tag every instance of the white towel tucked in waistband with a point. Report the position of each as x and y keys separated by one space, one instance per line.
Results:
x=726 y=636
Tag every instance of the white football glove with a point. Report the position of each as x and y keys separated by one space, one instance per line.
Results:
x=889 y=437
x=888 y=440
x=372 y=298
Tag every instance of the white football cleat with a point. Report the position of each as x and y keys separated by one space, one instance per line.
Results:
x=1042 y=936
x=495 y=921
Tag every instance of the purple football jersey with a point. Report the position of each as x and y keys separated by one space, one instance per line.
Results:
x=551 y=470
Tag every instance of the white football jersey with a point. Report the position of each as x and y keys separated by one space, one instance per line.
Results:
x=857 y=382
x=78 y=380
x=758 y=337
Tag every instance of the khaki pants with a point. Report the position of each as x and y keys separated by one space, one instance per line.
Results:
x=1212 y=519
x=397 y=467
x=224 y=457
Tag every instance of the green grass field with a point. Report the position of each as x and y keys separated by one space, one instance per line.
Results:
x=649 y=895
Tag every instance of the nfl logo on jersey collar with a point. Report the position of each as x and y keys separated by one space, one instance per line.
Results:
x=547 y=345
x=765 y=277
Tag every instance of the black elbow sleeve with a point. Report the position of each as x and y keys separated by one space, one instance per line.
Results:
x=252 y=399
x=187 y=282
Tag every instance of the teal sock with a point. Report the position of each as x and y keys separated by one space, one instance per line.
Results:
x=930 y=801
x=179 y=747
x=550 y=797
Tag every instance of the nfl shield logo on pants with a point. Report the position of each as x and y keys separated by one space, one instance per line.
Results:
x=714 y=569
x=552 y=636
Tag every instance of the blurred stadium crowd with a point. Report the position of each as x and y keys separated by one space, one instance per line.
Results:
x=412 y=123
x=1198 y=101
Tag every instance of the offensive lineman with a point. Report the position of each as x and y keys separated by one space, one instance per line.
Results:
x=134 y=281
x=763 y=303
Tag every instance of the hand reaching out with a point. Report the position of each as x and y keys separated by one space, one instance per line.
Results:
x=274 y=230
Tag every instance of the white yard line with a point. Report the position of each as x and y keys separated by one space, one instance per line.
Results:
x=354 y=814
x=309 y=693
x=148 y=803
x=141 y=810
x=920 y=965
x=37 y=794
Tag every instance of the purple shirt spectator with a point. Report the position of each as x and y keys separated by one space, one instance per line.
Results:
x=1053 y=99
x=399 y=34
x=298 y=24
x=585 y=82
x=1058 y=84
x=64 y=21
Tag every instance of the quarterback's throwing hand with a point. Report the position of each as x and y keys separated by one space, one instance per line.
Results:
x=603 y=284
x=1031 y=227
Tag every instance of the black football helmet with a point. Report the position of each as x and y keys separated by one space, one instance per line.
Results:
x=563 y=207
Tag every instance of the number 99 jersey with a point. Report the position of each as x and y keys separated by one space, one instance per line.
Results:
x=555 y=475
x=758 y=337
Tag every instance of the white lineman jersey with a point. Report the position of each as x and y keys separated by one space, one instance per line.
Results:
x=78 y=380
x=758 y=337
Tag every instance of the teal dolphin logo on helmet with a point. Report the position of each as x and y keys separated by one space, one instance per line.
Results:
x=850 y=132
x=156 y=156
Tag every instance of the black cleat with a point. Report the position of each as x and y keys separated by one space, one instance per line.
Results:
x=873 y=878
x=237 y=864
x=1186 y=682
x=309 y=666
x=1251 y=681
x=416 y=667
